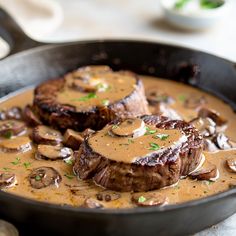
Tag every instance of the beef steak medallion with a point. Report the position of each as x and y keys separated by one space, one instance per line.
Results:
x=90 y=97
x=140 y=154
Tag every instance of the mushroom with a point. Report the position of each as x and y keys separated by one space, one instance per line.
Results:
x=73 y=139
x=18 y=144
x=156 y=96
x=209 y=146
x=206 y=126
x=209 y=171
x=194 y=102
x=43 y=177
x=107 y=196
x=46 y=135
x=7 y=180
x=30 y=118
x=92 y=203
x=231 y=163
x=131 y=127
x=11 y=127
x=214 y=115
x=12 y=113
x=149 y=199
x=164 y=110
x=87 y=132
x=222 y=141
x=49 y=152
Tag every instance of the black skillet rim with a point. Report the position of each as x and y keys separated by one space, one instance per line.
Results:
x=119 y=211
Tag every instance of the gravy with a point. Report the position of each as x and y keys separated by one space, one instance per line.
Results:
x=73 y=191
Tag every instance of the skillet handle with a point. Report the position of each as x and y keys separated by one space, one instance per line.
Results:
x=12 y=33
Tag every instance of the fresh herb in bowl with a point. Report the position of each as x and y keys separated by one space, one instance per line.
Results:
x=211 y=4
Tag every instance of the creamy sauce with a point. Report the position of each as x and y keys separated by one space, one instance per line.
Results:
x=73 y=191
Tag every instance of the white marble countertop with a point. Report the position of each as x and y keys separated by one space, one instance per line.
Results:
x=137 y=19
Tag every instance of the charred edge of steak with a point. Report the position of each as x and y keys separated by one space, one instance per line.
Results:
x=152 y=172
x=63 y=116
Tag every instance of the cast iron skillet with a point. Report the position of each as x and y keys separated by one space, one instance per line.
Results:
x=33 y=66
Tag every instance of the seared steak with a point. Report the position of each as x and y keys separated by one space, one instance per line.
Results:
x=168 y=150
x=90 y=97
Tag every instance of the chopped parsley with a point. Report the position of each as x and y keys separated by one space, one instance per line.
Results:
x=16 y=162
x=69 y=176
x=114 y=127
x=182 y=98
x=141 y=199
x=180 y=4
x=27 y=164
x=8 y=134
x=85 y=98
x=105 y=102
x=6 y=169
x=211 y=4
x=161 y=136
x=154 y=146
x=150 y=131
x=37 y=178
x=69 y=162
x=102 y=87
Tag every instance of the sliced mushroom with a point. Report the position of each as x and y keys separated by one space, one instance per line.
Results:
x=194 y=102
x=206 y=126
x=49 y=152
x=30 y=117
x=208 y=172
x=12 y=113
x=222 y=141
x=83 y=85
x=231 y=163
x=209 y=146
x=18 y=144
x=11 y=127
x=155 y=96
x=92 y=203
x=149 y=199
x=43 y=177
x=164 y=110
x=88 y=132
x=7 y=180
x=107 y=196
x=73 y=139
x=214 y=115
x=98 y=69
x=46 y=135
x=132 y=127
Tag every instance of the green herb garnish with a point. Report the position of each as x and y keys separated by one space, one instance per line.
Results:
x=102 y=87
x=114 y=127
x=6 y=169
x=180 y=4
x=27 y=164
x=182 y=98
x=16 y=162
x=161 y=136
x=211 y=4
x=69 y=176
x=37 y=178
x=154 y=146
x=150 y=131
x=8 y=134
x=69 y=162
x=130 y=141
x=105 y=102
x=85 y=98
x=141 y=199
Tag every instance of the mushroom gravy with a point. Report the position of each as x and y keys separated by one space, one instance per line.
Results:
x=179 y=100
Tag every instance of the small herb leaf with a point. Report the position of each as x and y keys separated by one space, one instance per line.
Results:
x=154 y=146
x=141 y=199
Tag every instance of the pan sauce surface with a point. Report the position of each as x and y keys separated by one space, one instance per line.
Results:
x=73 y=191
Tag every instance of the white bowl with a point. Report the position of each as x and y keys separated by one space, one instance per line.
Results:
x=193 y=20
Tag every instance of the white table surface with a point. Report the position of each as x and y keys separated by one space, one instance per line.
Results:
x=139 y=19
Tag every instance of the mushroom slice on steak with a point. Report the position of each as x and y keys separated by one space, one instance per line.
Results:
x=107 y=196
x=7 y=180
x=92 y=203
x=214 y=115
x=205 y=126
x=46 y=135
x=18 y=144
x=208 y=172
x=194 y=102
x=149 y=199
x=11 y=127
x=231 y=163
x=155 y=96
x=12 y=113
x=43 y=177
x=73 y=139
x=132 y=127
x=30 y=117
x=222 y=141
x=49 y=152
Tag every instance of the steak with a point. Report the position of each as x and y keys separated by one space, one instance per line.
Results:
x=155 y=168
x=90 y=97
